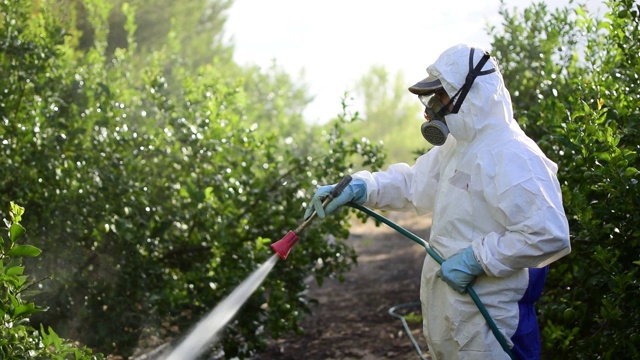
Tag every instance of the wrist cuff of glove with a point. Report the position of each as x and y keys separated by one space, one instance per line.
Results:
x=359 y=189
x=472 y=263
x=360 y=195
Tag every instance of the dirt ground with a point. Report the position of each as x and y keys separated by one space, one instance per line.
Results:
x=351 y=320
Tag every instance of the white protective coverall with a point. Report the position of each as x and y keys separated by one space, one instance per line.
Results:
x=488 y=186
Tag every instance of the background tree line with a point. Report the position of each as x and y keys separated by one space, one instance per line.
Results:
x=154 y=171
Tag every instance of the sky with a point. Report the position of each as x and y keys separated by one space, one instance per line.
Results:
x=330 y=44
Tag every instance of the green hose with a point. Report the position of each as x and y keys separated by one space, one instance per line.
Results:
x=407 y=330
x=440 y=260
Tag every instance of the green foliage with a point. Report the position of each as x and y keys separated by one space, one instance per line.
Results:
x=18 y=339
x=196 y=25
x=392 y=115
x=574 y=82
x=273 y=99
x=157 y=189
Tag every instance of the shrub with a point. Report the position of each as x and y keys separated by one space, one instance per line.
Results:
x=156 y=193
x=574 y=81
x=18 y=339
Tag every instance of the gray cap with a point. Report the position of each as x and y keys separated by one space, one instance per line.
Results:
x=426 y=86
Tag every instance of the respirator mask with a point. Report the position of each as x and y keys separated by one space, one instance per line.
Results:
x=435 y=131
x=431 y=92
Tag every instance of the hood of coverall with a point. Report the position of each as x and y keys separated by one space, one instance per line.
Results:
x=487 y=106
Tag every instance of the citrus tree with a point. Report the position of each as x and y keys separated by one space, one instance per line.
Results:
x=154 y=190
x=573 y=78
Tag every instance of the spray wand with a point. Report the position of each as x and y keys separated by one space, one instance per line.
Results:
x=205 y=333
x=284 y=245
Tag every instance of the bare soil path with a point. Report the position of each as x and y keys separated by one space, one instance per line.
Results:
x=351 y=320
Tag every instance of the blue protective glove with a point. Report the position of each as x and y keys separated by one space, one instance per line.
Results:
x=355 y=192
x=460 y=270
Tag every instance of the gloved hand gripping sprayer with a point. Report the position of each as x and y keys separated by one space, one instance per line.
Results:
x=283 y=246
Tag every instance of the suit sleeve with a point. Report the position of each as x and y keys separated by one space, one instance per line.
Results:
x=527 y=201
x=403 y=187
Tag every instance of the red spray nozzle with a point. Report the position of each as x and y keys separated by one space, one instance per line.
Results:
x=284 y=245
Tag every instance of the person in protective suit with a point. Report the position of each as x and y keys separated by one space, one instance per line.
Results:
x=496 y=204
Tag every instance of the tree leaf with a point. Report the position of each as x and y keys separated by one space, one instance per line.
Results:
x=16 y=231
x=16 y=212
x=16 y=270
x=24 y=250
x=25 y=309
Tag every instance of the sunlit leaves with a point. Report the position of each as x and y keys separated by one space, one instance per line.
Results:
x=156 y=189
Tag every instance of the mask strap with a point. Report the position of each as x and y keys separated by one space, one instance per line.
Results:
x=471 y=77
